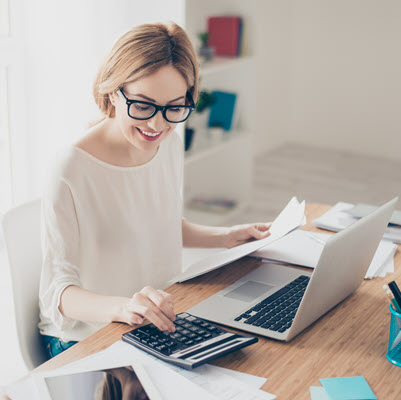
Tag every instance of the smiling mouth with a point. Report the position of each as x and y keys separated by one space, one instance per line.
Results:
x=150 y=135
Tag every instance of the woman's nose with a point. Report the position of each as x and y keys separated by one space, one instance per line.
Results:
x=157 y=122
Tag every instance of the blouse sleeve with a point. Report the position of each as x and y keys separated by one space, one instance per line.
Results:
x=60 y=250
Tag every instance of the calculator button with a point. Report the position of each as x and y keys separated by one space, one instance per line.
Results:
x=212 y=328
x=176 y=335
x=191 y=318
x=185 y=332
x=189 y=342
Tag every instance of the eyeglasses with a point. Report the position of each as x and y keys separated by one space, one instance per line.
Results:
x=143 y=110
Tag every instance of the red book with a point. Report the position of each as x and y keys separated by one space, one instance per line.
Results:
x=224 y=35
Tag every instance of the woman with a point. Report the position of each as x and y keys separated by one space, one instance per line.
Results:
x=112 y=214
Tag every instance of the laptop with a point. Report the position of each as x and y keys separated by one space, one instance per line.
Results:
x=279 y=302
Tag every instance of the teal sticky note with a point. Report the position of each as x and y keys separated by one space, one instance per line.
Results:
x=348 y=388
x=318 y=393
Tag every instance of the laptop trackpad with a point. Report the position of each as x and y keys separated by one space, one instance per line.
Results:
x=248 y=291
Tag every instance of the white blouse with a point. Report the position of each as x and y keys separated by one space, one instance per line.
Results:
x=109 y=229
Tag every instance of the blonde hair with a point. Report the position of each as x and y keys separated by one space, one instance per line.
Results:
x=140 y=52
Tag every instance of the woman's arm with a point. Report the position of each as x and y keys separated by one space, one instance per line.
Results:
x=154 y=305
x=194 y=235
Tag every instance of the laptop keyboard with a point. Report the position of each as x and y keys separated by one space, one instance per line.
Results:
x=277 y=311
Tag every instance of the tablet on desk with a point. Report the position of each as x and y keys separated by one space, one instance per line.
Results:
x=101 y=384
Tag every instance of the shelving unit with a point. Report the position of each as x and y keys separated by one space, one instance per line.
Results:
x=221 y=168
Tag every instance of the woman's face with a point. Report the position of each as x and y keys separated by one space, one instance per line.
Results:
x=166 y=86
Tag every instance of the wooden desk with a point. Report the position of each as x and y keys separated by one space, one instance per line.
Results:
x=350 y=340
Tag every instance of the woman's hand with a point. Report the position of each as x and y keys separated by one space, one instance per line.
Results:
x=154 y=305
x=240 y=234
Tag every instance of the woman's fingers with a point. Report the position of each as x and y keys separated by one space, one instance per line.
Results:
x=162 y=300
x=262 y=226
x=258 y=231
x=142 y=304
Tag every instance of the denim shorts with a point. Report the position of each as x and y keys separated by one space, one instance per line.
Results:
x=54 y=345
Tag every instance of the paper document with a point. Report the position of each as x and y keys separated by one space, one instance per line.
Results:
x=205 y=377
x=22 y=390
x=337 y=219
x=318 y=393
x=292 y=217
x=304 y=248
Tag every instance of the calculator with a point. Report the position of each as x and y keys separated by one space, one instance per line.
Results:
x=194 y=342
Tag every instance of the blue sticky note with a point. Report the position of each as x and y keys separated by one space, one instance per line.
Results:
x=318 y=393
x=348 y=388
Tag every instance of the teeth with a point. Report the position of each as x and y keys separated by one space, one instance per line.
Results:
x=151 y=134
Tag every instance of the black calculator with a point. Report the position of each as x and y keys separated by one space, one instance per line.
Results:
x=194 y=342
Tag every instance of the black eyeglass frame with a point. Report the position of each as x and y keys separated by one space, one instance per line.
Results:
x=158 y=108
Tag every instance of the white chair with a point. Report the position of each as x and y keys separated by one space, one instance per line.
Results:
x=21 y=230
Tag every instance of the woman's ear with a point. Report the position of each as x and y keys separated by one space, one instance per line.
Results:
x=113 y=98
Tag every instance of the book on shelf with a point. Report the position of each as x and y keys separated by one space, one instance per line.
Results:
x=222 y=110
x=225 y=34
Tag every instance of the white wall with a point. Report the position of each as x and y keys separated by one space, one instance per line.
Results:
x=336 y=80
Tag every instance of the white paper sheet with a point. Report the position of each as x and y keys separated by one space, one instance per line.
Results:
x=22 y=390
x=292 y=217
x=173 y=385
x=336 y=219
x=223 y=386
x=304 y=248
x=298 y=248
x=387 y=268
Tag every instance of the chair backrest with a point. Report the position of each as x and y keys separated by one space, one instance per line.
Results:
x=21 y=230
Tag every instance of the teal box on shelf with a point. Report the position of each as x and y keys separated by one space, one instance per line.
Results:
x=222 y=109
x=394 y=340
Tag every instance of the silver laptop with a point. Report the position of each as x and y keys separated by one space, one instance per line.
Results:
x=279 y=302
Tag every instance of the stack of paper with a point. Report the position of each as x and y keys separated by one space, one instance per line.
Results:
x=163 y=380
x=304 y=248
x=337 y=218
x=349 y=388
x=292 y=217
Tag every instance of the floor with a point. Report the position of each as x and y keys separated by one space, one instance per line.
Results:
x=311 y=174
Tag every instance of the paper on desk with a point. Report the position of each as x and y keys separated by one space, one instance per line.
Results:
x=22 y=390
x=223 y=386
x=318 y=393
x=304 y=248
x=337 y=219
x=209 y=377
x=121 y=353
x=292 y=217
x=155 y=376
x=387 y=268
